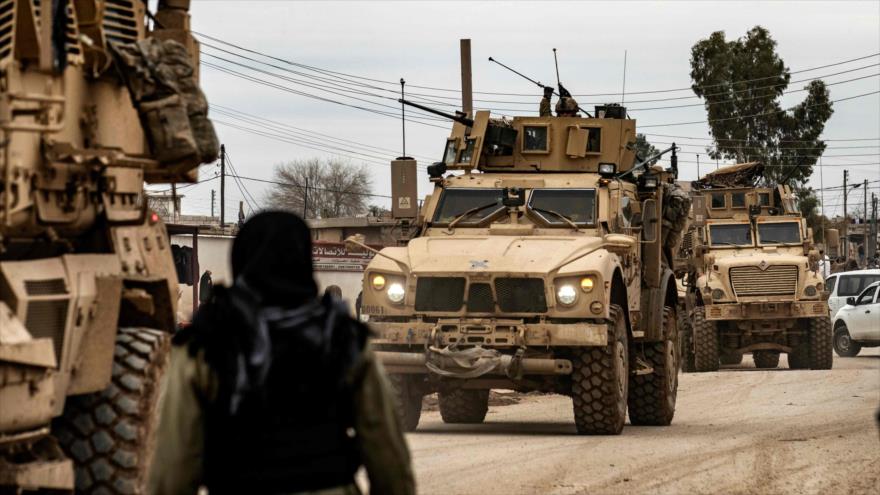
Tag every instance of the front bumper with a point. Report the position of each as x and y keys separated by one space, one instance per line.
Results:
x=766 y=310
x=489 y=333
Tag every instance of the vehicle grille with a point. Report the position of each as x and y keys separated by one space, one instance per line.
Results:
x=775 y=280
x=48 y=319
x=521 y=295
x=480 y=299
x=439 y=293
x=120 y=21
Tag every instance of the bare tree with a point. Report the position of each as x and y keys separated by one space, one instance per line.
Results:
x=321 y=188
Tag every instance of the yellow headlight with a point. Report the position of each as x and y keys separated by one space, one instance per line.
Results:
x=378 y=282
x=586 y=284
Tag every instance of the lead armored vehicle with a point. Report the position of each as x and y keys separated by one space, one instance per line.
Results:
x=93 y=103
x=752 y=281
x=541 y=263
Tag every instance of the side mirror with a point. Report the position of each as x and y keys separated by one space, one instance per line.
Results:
x=851 y=301
x=650 y=220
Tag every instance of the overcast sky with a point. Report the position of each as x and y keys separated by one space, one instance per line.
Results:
x=419 y=41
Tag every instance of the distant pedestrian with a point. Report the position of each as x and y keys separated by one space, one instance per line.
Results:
x=273 y=389
x=206 y=287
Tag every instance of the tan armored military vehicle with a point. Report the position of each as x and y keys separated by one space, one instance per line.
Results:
x=752 y=281
x=541 y=264
x=92 y=104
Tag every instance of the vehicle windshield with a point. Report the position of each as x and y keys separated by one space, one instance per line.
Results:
x=850 y=285
x=779 y=233
x=735 y=234
x=455 y=202
x=578 y=205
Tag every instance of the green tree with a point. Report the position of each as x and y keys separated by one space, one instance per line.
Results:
x=644 y=149
x=741 y=82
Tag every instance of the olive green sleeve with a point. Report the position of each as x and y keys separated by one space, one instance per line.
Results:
x=383 y=446
x=177 y=461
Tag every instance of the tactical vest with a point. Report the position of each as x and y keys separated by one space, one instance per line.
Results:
x=297 y=432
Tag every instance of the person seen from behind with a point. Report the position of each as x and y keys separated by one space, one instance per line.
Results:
x=273 y=389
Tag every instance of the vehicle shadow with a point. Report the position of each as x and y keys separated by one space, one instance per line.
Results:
x=507 y=428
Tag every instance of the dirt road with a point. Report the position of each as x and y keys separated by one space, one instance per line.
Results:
x=740 y=430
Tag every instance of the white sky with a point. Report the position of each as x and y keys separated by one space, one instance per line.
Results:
x=420 y=42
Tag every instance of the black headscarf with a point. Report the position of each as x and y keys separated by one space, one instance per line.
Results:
x=272 y=254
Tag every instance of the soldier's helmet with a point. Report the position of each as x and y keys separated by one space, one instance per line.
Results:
x=548 y=91
x=566 y=106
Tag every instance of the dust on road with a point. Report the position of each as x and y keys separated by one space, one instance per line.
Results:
x=737 y=431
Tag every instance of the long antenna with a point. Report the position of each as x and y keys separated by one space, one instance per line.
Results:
x=403 y=114
x=556 y=61
x=527 y=78
x=623 y=91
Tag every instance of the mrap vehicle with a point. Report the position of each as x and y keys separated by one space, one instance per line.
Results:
x=541 y=261
x=753 y=281
x=93 y=103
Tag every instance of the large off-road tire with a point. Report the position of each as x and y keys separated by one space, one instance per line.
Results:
x=686 y=335
x=732 y=358
x=844 y=345
x=600 y=379
x=463 y=406
x=799 y=357
x=110 y=435
x=821 y=353
x=706 y=356
x=651 y=397
x=765 y=359
x=408 y=399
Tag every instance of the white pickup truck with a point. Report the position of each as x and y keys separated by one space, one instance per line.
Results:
x=857 y=323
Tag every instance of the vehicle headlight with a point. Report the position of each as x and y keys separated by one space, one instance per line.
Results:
x=717 y=294
x=587 y=284
x=566 y=295
x=378 y=282
x=810 y=290
x=396 y=292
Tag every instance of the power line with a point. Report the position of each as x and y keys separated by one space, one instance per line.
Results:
x=322 y=189
x=745 y=140
x=774 y=112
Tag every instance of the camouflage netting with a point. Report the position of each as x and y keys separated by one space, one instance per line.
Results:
x=676 y=207
x=174 y=111
x=739 y=175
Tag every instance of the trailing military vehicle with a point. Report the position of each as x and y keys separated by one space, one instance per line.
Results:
x=752 y=278
x=542 y=264
x=93 y=103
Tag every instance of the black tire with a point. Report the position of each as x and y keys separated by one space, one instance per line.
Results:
x=599 y=381
x=686 y=333
x=463 y=406
x=765 y=359
x=110 y=435
x=843 y=343
x=651 y=398
x=799 y=357
x=732 y=358
x=706 y=356
x=408 y=401
x=821 y=354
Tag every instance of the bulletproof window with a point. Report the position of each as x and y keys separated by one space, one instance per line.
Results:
x=719 y=200
x=779 y=232
x=535 y=139
x=577 y=205
x=738 y=199
x=481 y=203
x=739 y=234
x=594 y=139
x=468 y=152
x=449 y=152
x=764 y=199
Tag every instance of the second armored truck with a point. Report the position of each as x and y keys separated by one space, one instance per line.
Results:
x=542 y=265
x=753 y=284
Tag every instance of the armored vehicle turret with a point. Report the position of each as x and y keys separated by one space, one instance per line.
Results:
x=541 y=261
x=753 y=284
x=93 y=103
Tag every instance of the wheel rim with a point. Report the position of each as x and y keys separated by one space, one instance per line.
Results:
x=843 y=341
x=620 y=352
x=671 y=368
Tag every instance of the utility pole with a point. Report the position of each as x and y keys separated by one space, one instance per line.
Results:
x=872 y=242
x=845 y=219
x=467 y=96
x=698 y=166
x=222 y=185
x=174 y=211
x=306 y=200
x=213 y=195
x=864 y=222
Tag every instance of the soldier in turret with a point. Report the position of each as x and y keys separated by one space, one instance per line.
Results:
x=545 y=102
x=566 y=107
